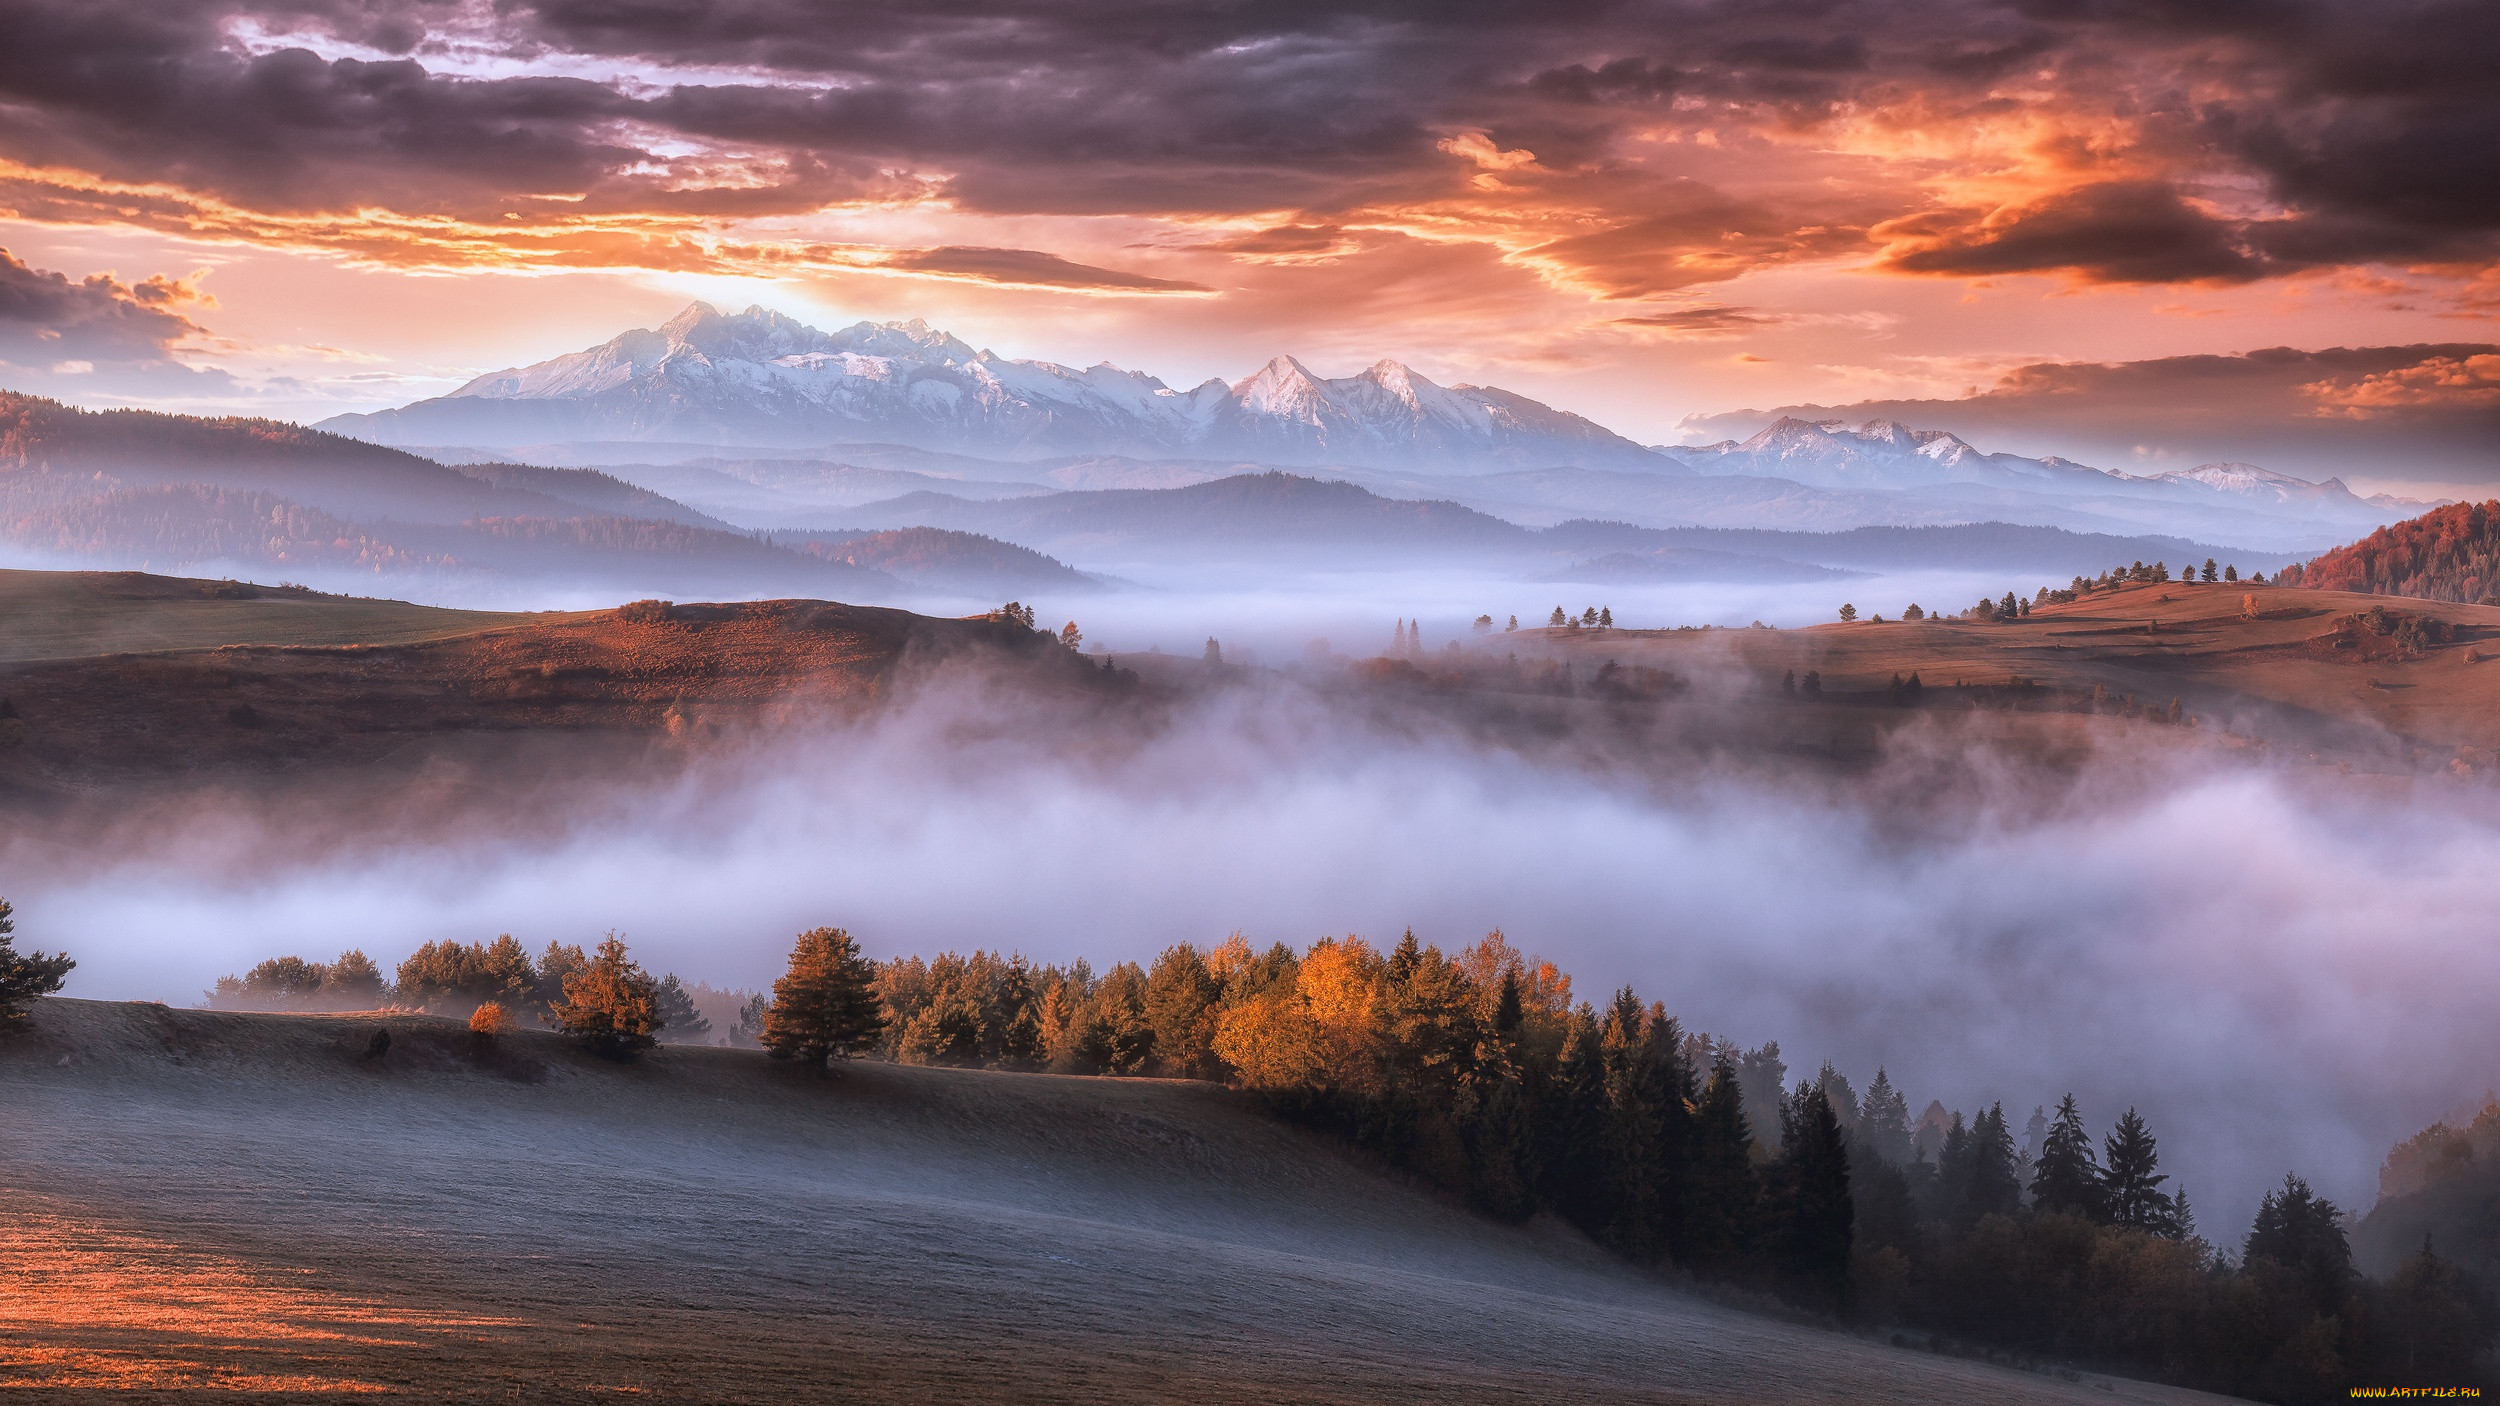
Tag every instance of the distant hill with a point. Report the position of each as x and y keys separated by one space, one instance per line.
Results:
x=589 y=488
x=2450 y=554
x=1274 y=515
x=931 y=556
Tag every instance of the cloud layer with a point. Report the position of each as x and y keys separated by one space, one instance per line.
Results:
x=1624 y=149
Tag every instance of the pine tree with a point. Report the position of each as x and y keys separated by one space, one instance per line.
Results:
x=679 y=1018
x=1816 y=1219
x=611 y=1005
x=1671 y=1087
x=1723 y=1197
x=26 y=976
x=2067 y=1177
x=748 y=1034
x=825 y=1007
x=2131 y=1180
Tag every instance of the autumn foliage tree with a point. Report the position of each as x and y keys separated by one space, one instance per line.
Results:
x=825 y=1006
x=611 y=1006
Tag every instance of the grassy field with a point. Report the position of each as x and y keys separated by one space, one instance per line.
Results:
x=213 y=1205
x=81 y=614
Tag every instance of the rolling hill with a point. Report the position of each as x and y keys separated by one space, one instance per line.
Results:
x=257 y=1204
x=2449 y=554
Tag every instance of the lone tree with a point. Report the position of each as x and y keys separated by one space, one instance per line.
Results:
x=1848 y=613
x=611 y=1005
x=25 y=976
x=825 y=1007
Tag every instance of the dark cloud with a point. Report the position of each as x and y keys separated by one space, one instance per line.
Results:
x=2369 y=129
x=2113 y=232
x=2429 y=412
x=45 y=319
x=1706 y=320
x=1032 y=267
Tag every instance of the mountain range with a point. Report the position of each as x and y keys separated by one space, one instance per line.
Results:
x=760 y=420
x=761 y=379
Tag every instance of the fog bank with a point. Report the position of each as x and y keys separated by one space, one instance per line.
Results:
x=2282 y=973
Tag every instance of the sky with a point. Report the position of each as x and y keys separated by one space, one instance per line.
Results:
x=2138 y=232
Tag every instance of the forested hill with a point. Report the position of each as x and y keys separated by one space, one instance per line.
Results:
x=2450 y=554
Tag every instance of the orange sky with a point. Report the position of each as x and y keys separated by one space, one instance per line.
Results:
x=1635 y=211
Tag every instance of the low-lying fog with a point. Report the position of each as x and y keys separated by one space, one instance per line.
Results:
x=2283 y=973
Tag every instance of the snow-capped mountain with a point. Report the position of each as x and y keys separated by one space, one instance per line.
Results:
x=1885 y=454
x=760 y=379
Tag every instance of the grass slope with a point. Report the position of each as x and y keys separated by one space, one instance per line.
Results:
x=209 y=1204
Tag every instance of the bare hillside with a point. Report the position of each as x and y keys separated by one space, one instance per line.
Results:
x=213 y=1202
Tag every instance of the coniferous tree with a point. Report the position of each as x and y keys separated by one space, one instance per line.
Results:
x=2067 y=1177
x=1723 y=1200
x=1574 y=1122
x=1993 y=1187
x=825 y=1006
x=1632 y=1131
x=2303 y=1233
x=611 y=1005
x=2131 y=1180
x=1673 y=1090
x=748 y=1033
x=25 y=976
x=1948 y=1192
x=1180 y=1005
x=680 y=1020
x=1884 y=1120
x=1816 y=1219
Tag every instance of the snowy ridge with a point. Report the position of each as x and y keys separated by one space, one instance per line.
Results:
x=759 y=378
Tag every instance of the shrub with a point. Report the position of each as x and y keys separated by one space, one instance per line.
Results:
x=490 y=1018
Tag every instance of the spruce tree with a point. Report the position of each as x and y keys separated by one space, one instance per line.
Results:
x=679 y=1018
x=1993 y=1188
x=2131 y=1180
x=1723 y=1198
x=1816 y=1219
x=25 y=976
x=1670 y=1086
x=1884 y=1120
x=2302 y=1233
x=2067 y=1177
x=1948 y=1192
x=1632 y=1129
x=825 y=1007
x=1573 y=1127
x=611 y=1005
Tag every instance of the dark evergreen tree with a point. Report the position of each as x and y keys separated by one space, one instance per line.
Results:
x=1992 y=1187
x=1814 y=1220
x=1722 y=1205
x=1672 y=1088
x=1508 y=1010
x=825 y=1007
x=2303 y=1234
x=680 y=1022
x=748 y=1034
x=611 y=1005
x=1632 y=1132
x=25 y=976
x=1573 y=1122
x=2067 y=1177
x=2131 y=1180
x=1949 y=1190
x=1884 y=1120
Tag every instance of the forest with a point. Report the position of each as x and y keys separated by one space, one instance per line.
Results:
x=1479 y=1072
x=2450 y=554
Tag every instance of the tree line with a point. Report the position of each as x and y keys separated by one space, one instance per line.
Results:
x=1478 y=1072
